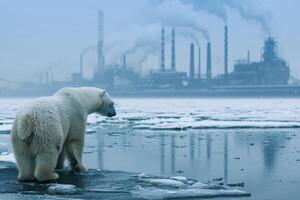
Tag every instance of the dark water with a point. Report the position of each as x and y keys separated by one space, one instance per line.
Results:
x=265 y=161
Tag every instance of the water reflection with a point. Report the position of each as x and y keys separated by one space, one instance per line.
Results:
x=234 y=155
x=225 y=157
x=173 y=145
x=162 y=153
x=192 y=145
x=100 y=150
x=208 y=146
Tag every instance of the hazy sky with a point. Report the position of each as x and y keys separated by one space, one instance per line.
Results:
x=39 y=35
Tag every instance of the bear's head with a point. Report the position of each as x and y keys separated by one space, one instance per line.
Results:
x=107 y=107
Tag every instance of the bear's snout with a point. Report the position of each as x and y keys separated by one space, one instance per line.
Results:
x=112 y=114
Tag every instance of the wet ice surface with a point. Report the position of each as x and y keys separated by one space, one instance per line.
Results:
x=97 y=184
x=246 y=145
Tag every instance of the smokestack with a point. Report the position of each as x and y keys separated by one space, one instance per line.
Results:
x=173 y=56
x=81 y=65
x=124 y=61
x=162 y=54
x=226 y=53
x=47 y=77
x=51 y=78
x=248 y=56
x=199 y=63
x=192 y=62
x=100 y=54
x=208 y=70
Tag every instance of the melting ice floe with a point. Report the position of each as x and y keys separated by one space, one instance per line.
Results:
x=152 y=187
x=183 y=125
x=145 y=186
x=157 y=193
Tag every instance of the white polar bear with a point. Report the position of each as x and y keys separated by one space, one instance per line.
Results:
x=48 y=128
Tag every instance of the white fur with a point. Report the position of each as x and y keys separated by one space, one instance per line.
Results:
x=48 y=128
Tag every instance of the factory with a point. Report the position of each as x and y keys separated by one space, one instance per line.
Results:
x=271 y=72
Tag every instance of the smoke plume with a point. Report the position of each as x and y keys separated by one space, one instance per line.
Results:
x=145 y=36
x=219 y=8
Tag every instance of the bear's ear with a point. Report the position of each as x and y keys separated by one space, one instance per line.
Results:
x=102 y=93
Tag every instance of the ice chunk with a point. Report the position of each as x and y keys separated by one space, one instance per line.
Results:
x=154 y=187
x=179 y=178
x=5 y=128
x=158 y=193
x=7 y=157
x=158 y=181
x=90 y=130
x=62 y=189
x=144 y=176
x=164 y=182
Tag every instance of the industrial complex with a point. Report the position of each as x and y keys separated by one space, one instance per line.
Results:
x=267 y=77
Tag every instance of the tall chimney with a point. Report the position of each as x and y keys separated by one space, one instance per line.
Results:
x=173 y=56
x=199 y=62
x=226 y=53
x=81 y=64
x=162 y=53
x=208 y=70
x=51 y=78
x=192 y=62
x=47 y=77
x=248 y=56
x=124 y=61
x=100 y=54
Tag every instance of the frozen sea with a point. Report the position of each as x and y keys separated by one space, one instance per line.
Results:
x=173 y=148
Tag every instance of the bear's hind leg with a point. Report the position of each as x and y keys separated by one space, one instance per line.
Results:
x=74 y=153
x=26 y=168
x=45 y=164
x=25 y=162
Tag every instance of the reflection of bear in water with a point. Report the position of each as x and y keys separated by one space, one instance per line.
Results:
x=48 y=128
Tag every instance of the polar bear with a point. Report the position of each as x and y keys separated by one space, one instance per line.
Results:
x=47 y=129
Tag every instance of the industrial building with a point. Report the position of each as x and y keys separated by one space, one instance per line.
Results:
x=270 y=74
x=271 y=70
x=167 y=78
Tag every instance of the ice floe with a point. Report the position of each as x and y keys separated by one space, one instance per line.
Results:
x=7 y=157
x=157 y=193
x=164 y=182
x=5 y=128
x=154 y=187
x=156 y=114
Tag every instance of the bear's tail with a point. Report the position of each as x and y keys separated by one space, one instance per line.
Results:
x=26 y=128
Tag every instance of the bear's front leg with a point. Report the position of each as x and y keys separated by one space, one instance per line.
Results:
x=61 y=159
x=74 y=152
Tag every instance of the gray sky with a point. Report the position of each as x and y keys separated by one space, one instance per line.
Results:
x=39 y=35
